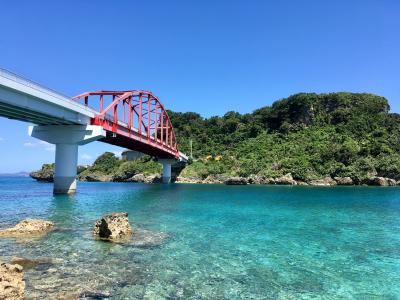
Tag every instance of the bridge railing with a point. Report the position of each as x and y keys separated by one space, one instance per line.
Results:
x=139 y=112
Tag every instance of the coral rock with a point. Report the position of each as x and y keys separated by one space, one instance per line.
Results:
x=12 y=285
x=28 y=227
x=114 y=226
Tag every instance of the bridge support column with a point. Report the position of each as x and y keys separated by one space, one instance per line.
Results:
x=166 y=174
x=67 y=138
x=65 y=168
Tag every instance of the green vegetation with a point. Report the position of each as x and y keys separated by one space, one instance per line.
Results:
x=109 y=164
x=308 y=135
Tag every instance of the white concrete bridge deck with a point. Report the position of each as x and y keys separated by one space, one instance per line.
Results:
x=59 y=121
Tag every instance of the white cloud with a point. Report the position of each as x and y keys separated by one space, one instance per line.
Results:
x=86 y=156
x=29 y=144
x=46 y=146
x=1 y=139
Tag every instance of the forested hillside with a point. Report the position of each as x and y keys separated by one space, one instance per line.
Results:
x=308 y=135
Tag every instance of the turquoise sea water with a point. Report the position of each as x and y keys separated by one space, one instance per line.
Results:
x=224 y=242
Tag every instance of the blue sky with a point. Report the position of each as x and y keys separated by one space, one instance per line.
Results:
x=203 y=56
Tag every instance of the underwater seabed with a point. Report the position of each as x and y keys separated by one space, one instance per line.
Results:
x=211 y=241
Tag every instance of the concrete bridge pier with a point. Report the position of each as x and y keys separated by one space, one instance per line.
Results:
x=167 y=166
x=65 y=168
x=67 y=138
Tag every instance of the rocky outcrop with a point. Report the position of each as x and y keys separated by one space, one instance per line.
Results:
x=94 y=177
x=286 y=180
x=45 y=174
x=113 y=227
x=28 y=227
x=327 y=181
x=214 y=179
x=12 y=285
x=382 y=181
x=124 y=176
x=344 y=180
x=188 y=180
x=236 y=181
x=258 y=179
x=155 y=178
x=299 y=182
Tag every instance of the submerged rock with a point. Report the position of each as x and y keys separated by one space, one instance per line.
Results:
x=28 y=227
x=12 y=285
x=27 y=263
x=236 y=181
x=146 y=238
x=114 y=226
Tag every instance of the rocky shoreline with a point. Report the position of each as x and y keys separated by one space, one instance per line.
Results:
x=46 y=175
x=287 y=179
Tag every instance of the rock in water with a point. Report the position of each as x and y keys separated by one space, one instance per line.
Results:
x=12 y=285
x=114 y=226
x=45 y=174
x=28 y=227
x=27 y=263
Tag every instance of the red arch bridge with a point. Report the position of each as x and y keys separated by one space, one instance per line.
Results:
x=133 y=119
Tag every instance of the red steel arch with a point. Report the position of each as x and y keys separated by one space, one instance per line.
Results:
x=133 y=119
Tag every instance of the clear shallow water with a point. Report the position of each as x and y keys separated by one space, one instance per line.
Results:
x=224 y=242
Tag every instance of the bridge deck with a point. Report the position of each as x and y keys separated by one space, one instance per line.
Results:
x=24 y=100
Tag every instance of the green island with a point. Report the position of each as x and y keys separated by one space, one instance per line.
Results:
x=308 y=138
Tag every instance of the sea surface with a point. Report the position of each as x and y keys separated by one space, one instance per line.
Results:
x=211 y=241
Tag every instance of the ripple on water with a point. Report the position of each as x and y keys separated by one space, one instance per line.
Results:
x=210 y=242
